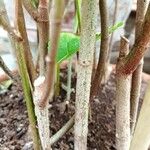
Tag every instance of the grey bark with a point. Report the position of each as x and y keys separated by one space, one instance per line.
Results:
x=141 y=137
x=41 y=114
x=123 y=83
x=137 y=74
x=88 y=26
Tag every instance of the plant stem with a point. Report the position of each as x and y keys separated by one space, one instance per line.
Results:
x=88 y=27
x=43 y=30
x=116 y=10
x=131 y=61
x=101 y=68
x=135 y=94
x=67 y=6
x=4 y=77
x=41 y=114
x=4 y=22
x=6 y=69
x=122 y=102
x=59 y=134
x=141 y=137
x=78 y=16
x=56 y=17
x=31 y=10
x=27 y=93
x=20 y=46
x=62 y=131
x=57 y=82
x=137 y=74
x=20 y=22
x=69 y=73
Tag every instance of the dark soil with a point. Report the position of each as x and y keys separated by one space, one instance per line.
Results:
x=14 y=132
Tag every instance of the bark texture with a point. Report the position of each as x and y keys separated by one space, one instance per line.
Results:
x=138 y=50
x=137 y=74
x=23 y=70
x=88 y=26
x=123 y=83
x=31 y=9
x=141 y=137
x=6 y=69
x=116 y=10
x=4 y=20
x=42 y=115
x=43 y=30
x=55 y=22
x=101 y=68
x=20 y=23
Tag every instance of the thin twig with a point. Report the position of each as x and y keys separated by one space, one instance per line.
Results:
x=20 y=22
x=6 y=69
x=4 y=22
x=68 y=4
x=116 y=9
x=56 y=17
x=43 y=31
x=62 y=131
x=78 y=15
x=101 y=68
x=31 y=10
x=139 y=48
x=137 y=74
x=4 y=77
x=69 y=73
x=13 y=37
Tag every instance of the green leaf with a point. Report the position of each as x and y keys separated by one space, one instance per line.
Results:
x=110 y=30
x=68 y=45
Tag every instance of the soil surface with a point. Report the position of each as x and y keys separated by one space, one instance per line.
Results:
x=14 y=132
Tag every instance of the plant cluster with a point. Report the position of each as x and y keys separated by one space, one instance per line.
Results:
x=41 y=82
